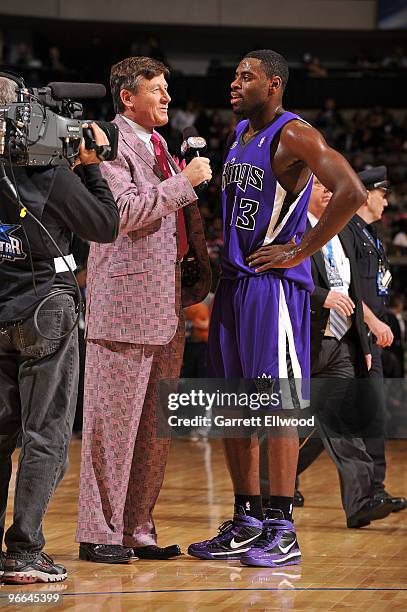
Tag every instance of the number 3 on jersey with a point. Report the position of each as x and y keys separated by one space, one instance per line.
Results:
x=246 y=214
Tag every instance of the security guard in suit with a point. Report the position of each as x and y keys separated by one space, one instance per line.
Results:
x=340 y=354
x=375 y=278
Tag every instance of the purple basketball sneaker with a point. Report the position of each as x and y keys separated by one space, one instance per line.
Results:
x=235 y=538
x=277 y=545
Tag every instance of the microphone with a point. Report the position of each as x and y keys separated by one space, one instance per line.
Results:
x=192 y=146
x=76 y=91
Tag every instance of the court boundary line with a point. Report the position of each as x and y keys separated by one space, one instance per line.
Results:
x=215 y=590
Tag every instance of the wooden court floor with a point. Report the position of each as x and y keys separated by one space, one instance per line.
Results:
x=342 y=569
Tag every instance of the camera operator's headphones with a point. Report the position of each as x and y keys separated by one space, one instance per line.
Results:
x=13 y=76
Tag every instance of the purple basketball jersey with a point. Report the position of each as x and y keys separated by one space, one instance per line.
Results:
x=260 y=322
x=257 y=210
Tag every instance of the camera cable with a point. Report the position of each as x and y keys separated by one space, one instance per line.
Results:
x=58 y=290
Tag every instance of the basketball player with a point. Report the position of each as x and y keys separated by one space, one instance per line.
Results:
x=260 y=320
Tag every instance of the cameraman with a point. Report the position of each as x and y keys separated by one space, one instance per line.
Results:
x=39 y=377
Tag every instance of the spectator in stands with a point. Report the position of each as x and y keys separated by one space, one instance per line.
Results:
x=396 y=59
x=400 y=239
x=196 y=341
x=216 y=131
x=315 y=68
x=203 y=121
x=21 y=54
x=214 y=241
x=363 y=59
x=148 y=46
x=54 y=59
x=183 y=119
x=379 y=123
x=329 y=120
x=196 y=349
x=358 y=163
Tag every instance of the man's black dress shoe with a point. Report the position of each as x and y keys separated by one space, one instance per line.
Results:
x=298 y=499
x=105 y=553
x=373 y=510
x=397 y=503
x=155 y=552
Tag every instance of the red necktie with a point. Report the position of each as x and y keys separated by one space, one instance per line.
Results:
x=161 y=157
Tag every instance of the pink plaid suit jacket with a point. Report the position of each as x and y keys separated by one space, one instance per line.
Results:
x=134 y=284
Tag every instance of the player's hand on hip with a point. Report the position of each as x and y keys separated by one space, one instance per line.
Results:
x=339 y=302
x=198 y=171
x=275 y=256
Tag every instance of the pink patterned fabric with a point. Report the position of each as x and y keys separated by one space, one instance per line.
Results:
x=134 y=338
x=134 y=283
x=123 y=460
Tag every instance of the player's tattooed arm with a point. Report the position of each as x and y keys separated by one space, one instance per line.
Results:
x=300 y=141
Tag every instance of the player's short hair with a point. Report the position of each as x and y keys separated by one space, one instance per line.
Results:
x=126 y=75
x=8 y=91
x=272 y=63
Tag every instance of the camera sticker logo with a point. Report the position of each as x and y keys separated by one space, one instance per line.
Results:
x=11 y=248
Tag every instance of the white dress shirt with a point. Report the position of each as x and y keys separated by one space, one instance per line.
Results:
x=145 y=136
x=342 y=265
x=142 y=133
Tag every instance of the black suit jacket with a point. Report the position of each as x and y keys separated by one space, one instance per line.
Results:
x=320 y=315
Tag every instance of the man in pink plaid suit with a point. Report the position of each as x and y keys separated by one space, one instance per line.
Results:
x=135 y=327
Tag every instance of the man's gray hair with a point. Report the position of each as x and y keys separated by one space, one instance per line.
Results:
x=8 y=91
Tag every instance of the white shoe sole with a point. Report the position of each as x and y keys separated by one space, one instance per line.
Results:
x=32 y=577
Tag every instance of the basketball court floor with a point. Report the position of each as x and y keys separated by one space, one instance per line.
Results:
x=342 y=569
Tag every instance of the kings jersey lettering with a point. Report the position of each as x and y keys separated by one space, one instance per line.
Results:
x=243 y=175
x=256 y=208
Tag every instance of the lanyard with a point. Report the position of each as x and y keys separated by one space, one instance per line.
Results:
x=334 y=277
x=376 y=244
x=330 y=254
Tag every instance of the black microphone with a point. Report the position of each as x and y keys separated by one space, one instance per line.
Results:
x=77 y=91
x=192 y=146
